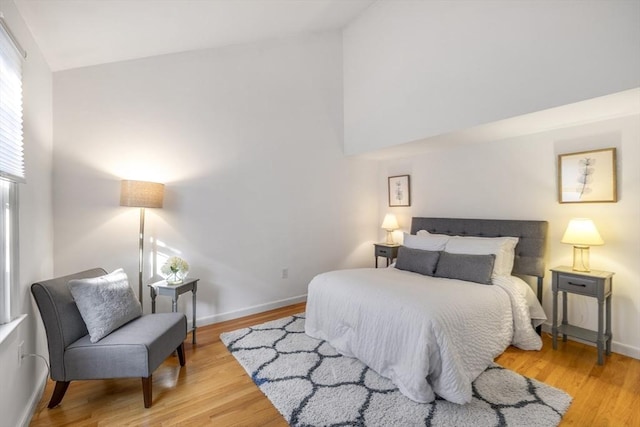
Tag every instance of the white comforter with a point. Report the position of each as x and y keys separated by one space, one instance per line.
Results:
x=428 y=335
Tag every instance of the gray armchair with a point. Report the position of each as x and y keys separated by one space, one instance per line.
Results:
x=134 y=350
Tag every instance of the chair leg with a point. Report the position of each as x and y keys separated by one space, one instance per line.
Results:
x=58 y=393
x=147 y=390
x=180 y=351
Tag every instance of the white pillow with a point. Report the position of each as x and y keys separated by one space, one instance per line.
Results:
x=105 y=303
x=502 y=247
x=426 y=242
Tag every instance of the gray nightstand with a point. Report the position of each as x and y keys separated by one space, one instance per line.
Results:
x=390 y=252
x=174 y=291
x=595 y=284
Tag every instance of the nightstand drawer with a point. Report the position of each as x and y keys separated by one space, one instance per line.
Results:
x=578 y=285
x=385 y=251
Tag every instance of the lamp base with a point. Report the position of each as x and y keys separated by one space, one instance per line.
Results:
x=390 y=238
x=581 y=259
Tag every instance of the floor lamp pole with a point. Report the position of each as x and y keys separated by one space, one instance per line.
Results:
x=141 y=194
x=140 y=255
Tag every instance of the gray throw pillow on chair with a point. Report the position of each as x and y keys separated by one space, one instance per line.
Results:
x=105 y=303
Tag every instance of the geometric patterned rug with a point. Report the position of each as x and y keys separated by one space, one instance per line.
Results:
x=312 y=385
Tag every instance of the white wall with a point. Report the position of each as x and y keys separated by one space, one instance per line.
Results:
x=416 y=69
x=22 y=384
x=516 y=179
x=248 y=140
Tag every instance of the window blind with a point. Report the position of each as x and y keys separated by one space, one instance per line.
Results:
x=11 y=147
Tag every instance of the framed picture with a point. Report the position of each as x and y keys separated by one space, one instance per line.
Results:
x=399 y=191
x=587 y=177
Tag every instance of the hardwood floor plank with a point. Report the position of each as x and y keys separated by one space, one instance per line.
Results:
x=213 y=389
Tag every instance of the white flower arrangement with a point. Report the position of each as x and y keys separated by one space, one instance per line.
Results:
x=175 y=269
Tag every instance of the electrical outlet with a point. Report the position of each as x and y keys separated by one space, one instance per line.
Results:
x=285 y=273
x=20 y=353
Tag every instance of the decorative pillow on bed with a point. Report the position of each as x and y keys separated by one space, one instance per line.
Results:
x=426 y=242
x=472 y=268
x=417 y=260
x=502 y=247
x=105 y=303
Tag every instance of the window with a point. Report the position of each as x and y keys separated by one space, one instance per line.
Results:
x=8 y=249
x=11 y=167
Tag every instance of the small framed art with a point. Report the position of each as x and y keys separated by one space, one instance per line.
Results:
x=399 y=191
x=587 y=177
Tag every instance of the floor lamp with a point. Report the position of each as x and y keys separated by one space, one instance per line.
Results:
x=141 y=194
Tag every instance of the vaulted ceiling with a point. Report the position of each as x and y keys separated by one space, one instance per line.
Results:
x=78 y=33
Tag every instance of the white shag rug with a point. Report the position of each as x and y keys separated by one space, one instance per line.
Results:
x=312 y=385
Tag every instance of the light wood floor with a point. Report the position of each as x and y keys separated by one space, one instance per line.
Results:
x=213 y=389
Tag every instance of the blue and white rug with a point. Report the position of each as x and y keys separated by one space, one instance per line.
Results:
x=312 y=385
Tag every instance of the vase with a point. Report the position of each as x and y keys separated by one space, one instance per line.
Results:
x=176 y=277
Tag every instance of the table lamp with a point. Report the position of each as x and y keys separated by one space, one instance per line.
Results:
x=581 y=233
x=390 y=223
x=141 y=194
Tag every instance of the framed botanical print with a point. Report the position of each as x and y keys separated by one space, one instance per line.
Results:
x=587 y=177
x=399 y=191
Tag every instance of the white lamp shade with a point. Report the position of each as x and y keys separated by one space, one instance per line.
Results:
x=582 y=232
x=390 y=222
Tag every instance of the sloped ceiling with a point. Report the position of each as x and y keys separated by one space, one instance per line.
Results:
x=78 y=33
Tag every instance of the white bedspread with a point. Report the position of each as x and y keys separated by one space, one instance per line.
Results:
x=426 y=334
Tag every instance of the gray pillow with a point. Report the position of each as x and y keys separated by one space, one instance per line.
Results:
x=417 y=260
x=472 y=268
x=105 y=303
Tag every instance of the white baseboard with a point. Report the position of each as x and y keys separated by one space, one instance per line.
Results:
x=32 y=404
x=235 y=314
x=616 y=347
x=627 y=350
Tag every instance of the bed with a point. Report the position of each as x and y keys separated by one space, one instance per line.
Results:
x=432 y=336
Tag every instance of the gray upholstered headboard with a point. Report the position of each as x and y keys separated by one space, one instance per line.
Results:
x=529 y=253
